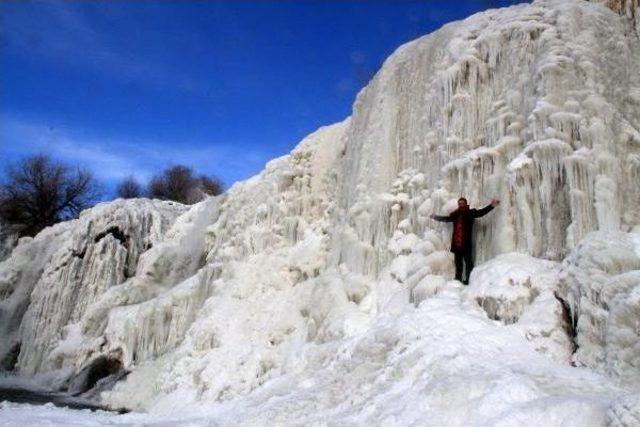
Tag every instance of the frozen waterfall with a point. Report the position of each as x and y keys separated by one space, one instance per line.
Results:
x=320 y=291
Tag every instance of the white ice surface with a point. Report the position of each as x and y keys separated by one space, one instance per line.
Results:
x=442 y=363
x=319 y=292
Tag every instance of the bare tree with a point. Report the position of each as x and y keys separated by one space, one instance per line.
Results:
x=129 y=188
x=179 y=183
x=174 y=184
x=210 y=185
x=39 y=192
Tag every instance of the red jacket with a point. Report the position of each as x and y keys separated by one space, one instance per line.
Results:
x=462 y=219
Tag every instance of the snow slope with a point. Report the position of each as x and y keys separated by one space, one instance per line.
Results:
x=319 y=292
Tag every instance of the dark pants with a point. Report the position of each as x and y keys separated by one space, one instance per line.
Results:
x=461 y=256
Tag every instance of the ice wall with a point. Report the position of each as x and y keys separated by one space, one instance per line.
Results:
x=129 y=280
x=626 y=8
x=329 y=254
x=49 y=282
x=536 y=105
x=601 y=282
x=8 y=240
x=263 y=251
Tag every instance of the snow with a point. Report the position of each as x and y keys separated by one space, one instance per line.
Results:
x=319 y=291
x=509 y=282
x=601 y=281
x=443 y=362
x=67 y=267
x=521 y=290
x=23 y=415
x=8 y=240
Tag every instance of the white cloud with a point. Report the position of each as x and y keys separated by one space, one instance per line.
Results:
x=112 y=159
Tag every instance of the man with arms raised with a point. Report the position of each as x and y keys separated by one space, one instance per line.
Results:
x=461 y=240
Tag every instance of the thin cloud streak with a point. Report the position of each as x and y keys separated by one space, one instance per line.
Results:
x=69 y=38
x=112 y=159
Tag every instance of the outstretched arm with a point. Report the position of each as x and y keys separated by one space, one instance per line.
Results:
x=486 y=209
x=441 y=218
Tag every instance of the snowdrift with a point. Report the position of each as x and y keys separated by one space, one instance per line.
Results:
x=319 y=291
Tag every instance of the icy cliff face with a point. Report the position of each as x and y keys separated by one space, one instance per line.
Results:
x=536 y=105
x=49 y=282
x=8 y=240
x=320 y=289
x=601 y=280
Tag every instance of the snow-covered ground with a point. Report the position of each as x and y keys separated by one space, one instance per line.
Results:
x=441 y=363
x=320 y=293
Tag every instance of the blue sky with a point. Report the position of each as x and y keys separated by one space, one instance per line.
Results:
x=131 y=87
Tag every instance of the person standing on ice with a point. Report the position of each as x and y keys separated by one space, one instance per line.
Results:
x=462 y=219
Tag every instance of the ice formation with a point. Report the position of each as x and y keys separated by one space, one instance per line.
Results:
x=319 y=291
x=49 y=282
x=8 y=240
x=601 y=281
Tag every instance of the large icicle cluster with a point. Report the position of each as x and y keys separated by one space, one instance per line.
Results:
x=49 y=282
x=537 y=106
x=601 y=281
x=262 y=251
x=320 y=290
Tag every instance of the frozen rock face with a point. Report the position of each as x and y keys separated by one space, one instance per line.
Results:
x=8 y=241
x=535 y=104
x=167 y=289
x=627 y=8
x=601 y=282
x=48 y=283
x=318 y=291
x=521 y=291
x=263 y=250
x=625 y=411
